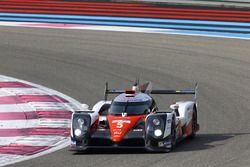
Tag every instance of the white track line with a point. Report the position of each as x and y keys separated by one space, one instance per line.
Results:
x=34 y=123
x=23 y=91
x=34 y=106
x=25 y=107
x=19 y=124
x=32 y=140
x=44 y=106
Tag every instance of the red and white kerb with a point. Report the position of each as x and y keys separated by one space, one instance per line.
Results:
x=34 y=120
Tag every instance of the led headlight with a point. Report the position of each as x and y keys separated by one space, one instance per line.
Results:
x=156 y=122
x=158 y=132
x=80 y=127
x=80 y=122
x=77 y=132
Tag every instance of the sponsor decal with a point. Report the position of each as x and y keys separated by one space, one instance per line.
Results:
x=124 y=114
x=138 y=130
x=119 y=123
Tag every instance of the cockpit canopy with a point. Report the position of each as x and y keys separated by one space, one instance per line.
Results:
x=138 y=104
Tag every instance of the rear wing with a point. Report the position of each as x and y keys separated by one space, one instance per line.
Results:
x=179 y=92
x=149 y=91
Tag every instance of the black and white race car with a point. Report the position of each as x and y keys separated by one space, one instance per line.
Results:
x=133 y=120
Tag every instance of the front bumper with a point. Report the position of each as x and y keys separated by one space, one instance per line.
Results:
x=132 y=140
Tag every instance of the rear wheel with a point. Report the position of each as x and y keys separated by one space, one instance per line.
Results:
x=194 y=123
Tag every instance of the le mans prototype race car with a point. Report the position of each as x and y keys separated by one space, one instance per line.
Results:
x=133 y=120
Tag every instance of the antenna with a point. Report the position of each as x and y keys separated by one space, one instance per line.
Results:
x=137 y=81
x=105 y=91
x=135 y=87
x=196 y=94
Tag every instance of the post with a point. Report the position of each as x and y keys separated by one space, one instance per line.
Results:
x=105 y=91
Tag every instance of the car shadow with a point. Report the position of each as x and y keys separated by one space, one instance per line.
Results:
x=113 y=151
x=205 y=141
x=200 y=142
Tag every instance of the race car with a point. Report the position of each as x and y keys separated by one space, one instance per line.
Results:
x=133 y=120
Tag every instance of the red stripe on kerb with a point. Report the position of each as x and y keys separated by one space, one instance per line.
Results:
x=18 y=115
x=31 y=98
x=42 y=98
x=35 y=115
x=51 y=131
x=10 y=100
x=34 y=131
x=14 y=84
x=22 y=149
x=54 y=114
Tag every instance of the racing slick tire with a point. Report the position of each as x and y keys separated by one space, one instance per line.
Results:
x=173 y=135
x=194 y=123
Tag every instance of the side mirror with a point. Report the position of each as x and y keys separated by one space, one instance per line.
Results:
x=174 y=106
x=147 y=111
x=85 y=107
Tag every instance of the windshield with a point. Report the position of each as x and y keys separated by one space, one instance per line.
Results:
x=131 y=108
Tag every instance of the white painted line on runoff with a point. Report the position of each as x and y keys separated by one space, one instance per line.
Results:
x=54 y=123
x=23 y=91
x=32 y=140
x=39 y=140
x=10 y=158
x=35 y=138
x=4 y=93
x=25 y=107
x=127 y=29
x=7 y=140
x=34 y=123
x=18 y=124
x=52 y=106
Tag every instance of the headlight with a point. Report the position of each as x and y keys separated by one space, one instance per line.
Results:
x=77 y=132
x=156 y=122
x=80 y=127
x=158 y=132
x=80 y=122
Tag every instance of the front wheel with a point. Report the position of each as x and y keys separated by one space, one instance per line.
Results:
x=173 y=134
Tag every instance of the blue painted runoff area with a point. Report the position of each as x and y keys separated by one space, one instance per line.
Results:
x=195 y=27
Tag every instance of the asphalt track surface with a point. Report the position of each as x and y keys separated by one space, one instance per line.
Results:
x=78 y=62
